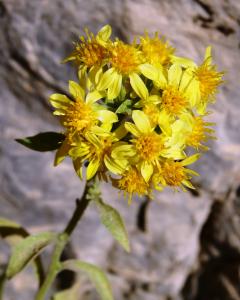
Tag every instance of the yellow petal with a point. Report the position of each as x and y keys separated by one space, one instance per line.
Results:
x=193 y=92
x=183 y=61
x=174 y=75
x=76 y=90
x=164 y=122
x=92 y=138
x=104 y=34
x=138 y=86
x=142 y=122
x=208 y=55
x=107 y=116
x=79 y=151
x=149 y=71
x=123 y=151
x=94 y=96
x=115 y=87
x=132 y=128
x=112 y=165
x=62 y=152
x=59 y=101
x=77 y=164
x=190 y=160
x=187 y=77
x=161 y=80
x=120 y=132
x=106 y=79
x=188 y=184
x=99 y=131
x=92 y=168
x=146 y=170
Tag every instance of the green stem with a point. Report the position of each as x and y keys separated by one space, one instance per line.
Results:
x=63 y=239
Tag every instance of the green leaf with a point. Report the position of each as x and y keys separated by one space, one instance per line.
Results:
x=26 y=250
x=125 y=107
x=13 y=233
x=44 y=141
x=112 y=220
x=95 y=274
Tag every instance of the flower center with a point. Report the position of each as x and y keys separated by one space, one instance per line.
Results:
x=197 y=135
x=79 y=116
x=152 y=112
x=133 y=182
x=149 y=146
x=156 y=51
x=125 y=58
x=173 y=101
x=173 y=173
x=90 y=53
x=209 y=79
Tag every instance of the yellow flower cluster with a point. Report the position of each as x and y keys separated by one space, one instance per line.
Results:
x=135 y=111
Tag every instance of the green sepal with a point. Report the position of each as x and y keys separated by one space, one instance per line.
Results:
x=125 y=107
x=44 y=141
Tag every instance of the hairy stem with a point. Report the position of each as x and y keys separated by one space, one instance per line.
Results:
x=63 y=239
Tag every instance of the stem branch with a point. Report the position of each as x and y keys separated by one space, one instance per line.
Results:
x=62 y=240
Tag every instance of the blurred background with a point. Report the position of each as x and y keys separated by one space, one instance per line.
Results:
x=185 y=246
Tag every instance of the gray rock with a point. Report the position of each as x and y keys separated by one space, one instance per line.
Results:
x=34 y=37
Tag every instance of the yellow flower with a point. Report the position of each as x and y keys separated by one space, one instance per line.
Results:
x=174 y=98
x=132 y=182
x=204 y=83
x=174 y=174
x=126 y=62
x=147 y=145
x=103 y=153
x=83 y=113
x=157 y=51
x=153 y=112
x=91 y=51
x=192 y=131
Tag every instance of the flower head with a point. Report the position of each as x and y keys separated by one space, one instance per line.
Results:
x=132 y=182
x=157 y=51
x=136 y=112
x=82 y=113
x=91 y=51
x=205 y=80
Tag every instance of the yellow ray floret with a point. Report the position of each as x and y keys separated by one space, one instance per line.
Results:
x=104 y=153
x=82 y=113
x=126 y=61
x=174 y=94
x=91 y=51
x=132 y=182
x=157 y=51
x=147 y=144
x=192 y=131
x=174 y=174
x=205 y=81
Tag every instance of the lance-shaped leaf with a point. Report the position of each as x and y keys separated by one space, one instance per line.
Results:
x=26 y=250
x=44 y=141
x=112 y=220
x=12 y=233
x=95 y=274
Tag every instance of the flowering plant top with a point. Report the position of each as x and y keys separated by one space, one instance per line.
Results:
x=135 y=111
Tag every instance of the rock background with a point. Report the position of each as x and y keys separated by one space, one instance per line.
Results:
x=184 y=246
